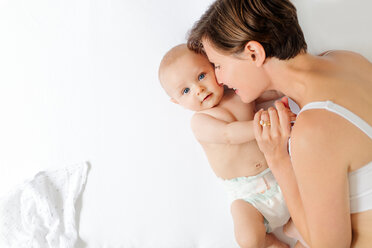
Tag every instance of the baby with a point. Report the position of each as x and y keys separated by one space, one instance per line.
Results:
x=223 y=126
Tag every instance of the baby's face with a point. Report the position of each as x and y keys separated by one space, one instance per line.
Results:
x=190 y=81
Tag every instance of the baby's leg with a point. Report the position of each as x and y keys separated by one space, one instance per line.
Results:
x=250 y=231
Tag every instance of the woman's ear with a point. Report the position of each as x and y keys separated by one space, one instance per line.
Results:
x=174 y=101
x=255 y=52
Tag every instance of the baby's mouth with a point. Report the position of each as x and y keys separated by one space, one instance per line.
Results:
x=205 y=98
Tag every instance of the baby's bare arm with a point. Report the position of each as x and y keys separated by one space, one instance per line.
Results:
x=209 y=129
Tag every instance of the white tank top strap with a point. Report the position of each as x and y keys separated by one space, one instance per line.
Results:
x=345 y=113
x=327 y=52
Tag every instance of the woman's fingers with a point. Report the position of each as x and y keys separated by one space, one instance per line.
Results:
x=265 y=123
x=256 y=124
x=272 y=129
x=284 y=118
x=274 y=120
x=274 y=123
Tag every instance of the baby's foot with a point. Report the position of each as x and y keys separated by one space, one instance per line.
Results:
x=273 y=242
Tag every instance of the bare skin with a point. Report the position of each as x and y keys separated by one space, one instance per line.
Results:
x=314 y=180
x=223 y=125
x=228 y=158
x=340 y=159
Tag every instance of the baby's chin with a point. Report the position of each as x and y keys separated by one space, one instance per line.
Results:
x=203 y=107
x=211 y=105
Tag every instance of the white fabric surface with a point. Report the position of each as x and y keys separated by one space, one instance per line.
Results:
x=79 y=82
x=41 y=211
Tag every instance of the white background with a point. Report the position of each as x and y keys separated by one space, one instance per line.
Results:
x=78 y=82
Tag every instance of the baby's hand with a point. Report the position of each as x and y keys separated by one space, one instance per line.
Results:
x=272 y=128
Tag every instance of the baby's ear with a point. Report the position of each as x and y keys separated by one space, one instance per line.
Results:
x=174 y=101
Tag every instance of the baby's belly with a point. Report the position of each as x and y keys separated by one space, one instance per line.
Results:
x=230 y=161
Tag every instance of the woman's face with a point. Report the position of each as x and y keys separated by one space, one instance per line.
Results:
x=240 y=73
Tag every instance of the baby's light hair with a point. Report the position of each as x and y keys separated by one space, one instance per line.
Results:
x=169 y=58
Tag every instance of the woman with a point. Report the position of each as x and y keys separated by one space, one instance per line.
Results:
x=258 y=45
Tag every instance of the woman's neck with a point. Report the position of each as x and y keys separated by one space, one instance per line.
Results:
x=291 y=76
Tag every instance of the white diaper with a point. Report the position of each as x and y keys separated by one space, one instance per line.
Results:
x=263 y=192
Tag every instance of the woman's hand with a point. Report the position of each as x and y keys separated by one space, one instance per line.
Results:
x=272 y=129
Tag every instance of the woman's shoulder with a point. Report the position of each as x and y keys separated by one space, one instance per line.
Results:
x=318 y=128
x=311 y=122
x=339 y=53
x=349 y=62
x=319 y=133
x=344 y=54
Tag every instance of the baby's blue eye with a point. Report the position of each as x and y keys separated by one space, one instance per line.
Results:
x=201 y=76
x=186 y=90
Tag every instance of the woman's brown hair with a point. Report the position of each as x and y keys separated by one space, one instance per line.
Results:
x=230 y=24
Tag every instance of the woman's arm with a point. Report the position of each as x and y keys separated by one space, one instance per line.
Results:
x=321 y=170
x=315 y=188
x=273 y=142
x=286 y=178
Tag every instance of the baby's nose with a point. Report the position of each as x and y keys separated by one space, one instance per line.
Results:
x=199 y=89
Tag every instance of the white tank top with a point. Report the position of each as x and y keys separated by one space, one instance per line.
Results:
x=360 y=181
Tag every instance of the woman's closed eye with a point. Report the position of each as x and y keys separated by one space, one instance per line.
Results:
x=215 y=66
x=185 y=91
x=201 y=76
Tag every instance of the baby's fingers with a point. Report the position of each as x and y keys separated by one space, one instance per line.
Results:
x=292 y=116
x=290 y=113
x=284 y=100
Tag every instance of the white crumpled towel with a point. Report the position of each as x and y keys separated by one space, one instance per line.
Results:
x=41 y=211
